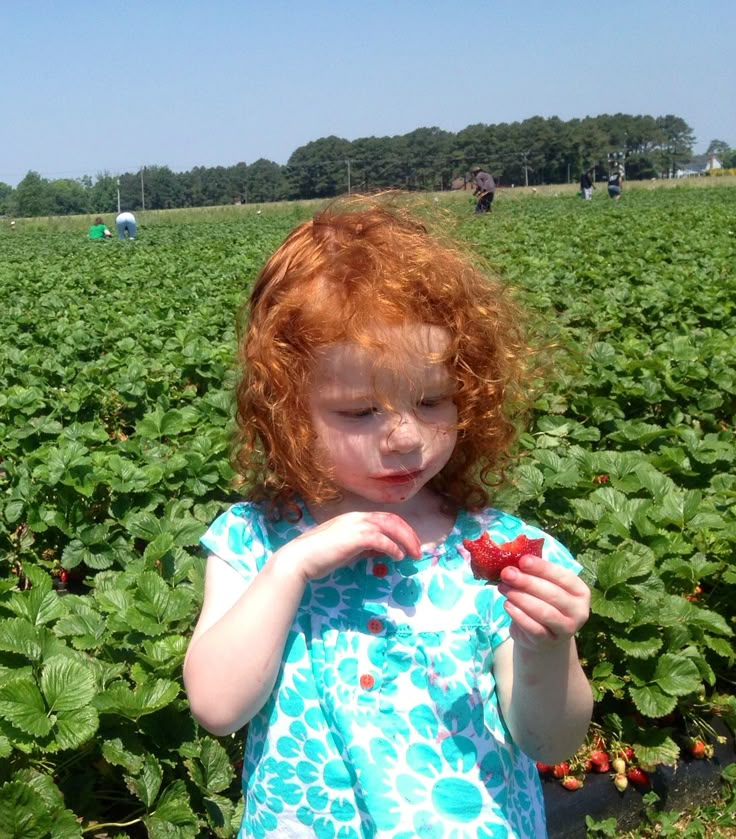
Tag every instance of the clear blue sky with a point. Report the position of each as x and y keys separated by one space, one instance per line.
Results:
x=89 y=87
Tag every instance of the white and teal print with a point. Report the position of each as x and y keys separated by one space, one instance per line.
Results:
x=384 y=720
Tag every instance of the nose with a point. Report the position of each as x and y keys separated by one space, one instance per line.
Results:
x=404 y=433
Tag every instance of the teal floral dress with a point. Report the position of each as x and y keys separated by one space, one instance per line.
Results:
x=384 y=720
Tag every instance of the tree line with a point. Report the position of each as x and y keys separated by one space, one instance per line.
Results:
x=533 y=152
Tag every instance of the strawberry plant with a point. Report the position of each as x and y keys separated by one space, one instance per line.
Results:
x=116 y=369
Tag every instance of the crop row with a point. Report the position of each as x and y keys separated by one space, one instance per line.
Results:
x=115 y=379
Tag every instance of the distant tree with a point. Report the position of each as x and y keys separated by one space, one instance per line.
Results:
x=69 y=197
x=729 y=159
x=676 y=142
x=319 y=169
x=719 y=148
x=33 y=197
x=103 y=194
x=161 y=188
x=266 y=182
x=6 y=198
x=239 y=182
x=130 y=191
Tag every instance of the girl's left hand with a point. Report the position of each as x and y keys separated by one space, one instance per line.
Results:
x=547 y=603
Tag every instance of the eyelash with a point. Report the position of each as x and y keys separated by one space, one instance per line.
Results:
x=367 y=412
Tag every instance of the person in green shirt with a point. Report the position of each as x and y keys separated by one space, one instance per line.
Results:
x=99 y=231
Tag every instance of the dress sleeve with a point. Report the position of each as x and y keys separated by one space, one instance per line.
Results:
x=239 y=537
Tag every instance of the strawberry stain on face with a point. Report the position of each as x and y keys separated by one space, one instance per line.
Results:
x=488 y=559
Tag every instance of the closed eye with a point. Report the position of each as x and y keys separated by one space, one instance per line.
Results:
x=358 y=413
x=434 y=402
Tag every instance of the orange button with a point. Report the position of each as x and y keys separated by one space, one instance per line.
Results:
x=374 y=625
x=380 y=569
x=367 y=681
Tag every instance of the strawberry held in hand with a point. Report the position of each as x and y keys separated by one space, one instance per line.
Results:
x=487 y=559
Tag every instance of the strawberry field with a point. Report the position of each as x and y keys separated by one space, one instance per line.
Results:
x=115 y=378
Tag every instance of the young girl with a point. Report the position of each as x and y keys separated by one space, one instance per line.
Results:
x=388 y=691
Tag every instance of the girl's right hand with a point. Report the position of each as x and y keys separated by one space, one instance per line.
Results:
x=341 y=540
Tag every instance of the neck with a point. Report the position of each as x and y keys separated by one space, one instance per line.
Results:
x=427 y=512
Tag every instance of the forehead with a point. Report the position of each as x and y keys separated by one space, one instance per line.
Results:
x=391 y=356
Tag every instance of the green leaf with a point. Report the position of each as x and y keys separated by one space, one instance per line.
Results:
x=222 y=814
x=118 y=754
x=23 y=813
x=145 y=699
x=212 y=772
x=654 y=745
x=679 y=507
x=652 y=701
x=615 y=603
x=67 y=685
x=76 y=727
x=720 y=646
x=22 y=705
x=619 y=567
x=148 y=782
x=640 y=642
x=173 y=817
x=19 y=636
x=677 y=675
x=655 y=482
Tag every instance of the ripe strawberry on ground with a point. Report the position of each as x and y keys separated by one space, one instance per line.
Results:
x=599 y=761
x=561 y=769
x=699 y=749
x=620 y=781
x=638 y=777
x=488 y=559
x=571 y=782
x=545 y=768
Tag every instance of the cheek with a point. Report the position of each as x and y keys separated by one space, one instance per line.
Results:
x=336 y=445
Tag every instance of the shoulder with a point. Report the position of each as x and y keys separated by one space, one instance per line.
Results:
x=240 y=532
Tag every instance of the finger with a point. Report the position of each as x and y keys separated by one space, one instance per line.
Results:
x=552 y=571
x=559 y=622
x=546 y=580
x=515 y=584
x=525 y=628
x=401 y=532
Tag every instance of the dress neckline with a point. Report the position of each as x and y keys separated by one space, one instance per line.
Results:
x=438 y=546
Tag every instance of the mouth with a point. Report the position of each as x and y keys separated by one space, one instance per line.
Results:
x=400 y=478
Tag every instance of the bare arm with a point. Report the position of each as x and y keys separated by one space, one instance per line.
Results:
x=237 y=647
x=544 y=695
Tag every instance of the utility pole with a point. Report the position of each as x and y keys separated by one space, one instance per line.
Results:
x=143 y=194
x=118 y=186
x=349 y=186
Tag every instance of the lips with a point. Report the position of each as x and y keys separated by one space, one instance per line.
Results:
x=401 y=478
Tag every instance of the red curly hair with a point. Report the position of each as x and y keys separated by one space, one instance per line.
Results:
x=333 y=280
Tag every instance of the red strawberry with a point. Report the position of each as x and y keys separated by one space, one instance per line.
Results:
x=560 y=770
x=600 y=760
x=638 y=777
x=698 y=749
x=570 y=782
x=487 y=559
x=545 y=768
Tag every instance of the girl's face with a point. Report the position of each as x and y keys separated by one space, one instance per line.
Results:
x=378 y=454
